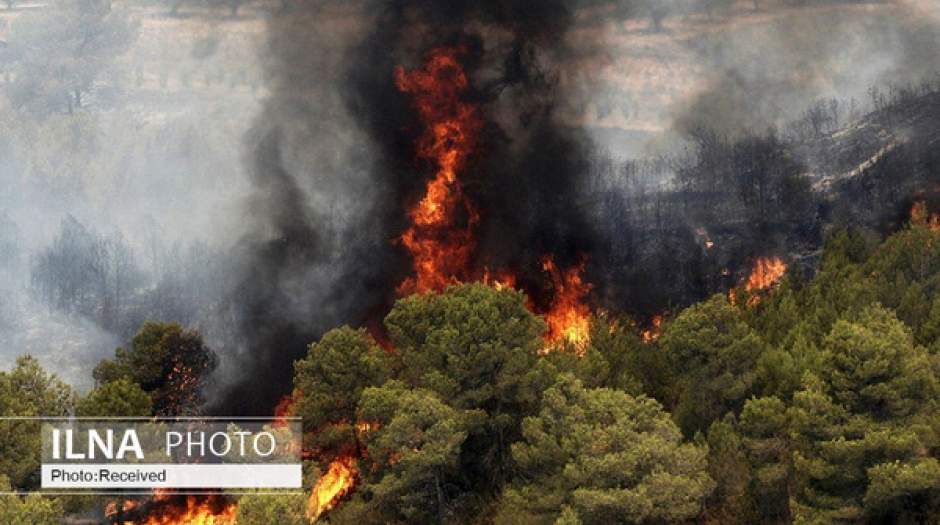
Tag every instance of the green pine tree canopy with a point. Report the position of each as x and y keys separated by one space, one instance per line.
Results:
x=818 y=404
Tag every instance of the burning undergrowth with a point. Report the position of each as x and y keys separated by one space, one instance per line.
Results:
x=171 y=509
x=765 y=274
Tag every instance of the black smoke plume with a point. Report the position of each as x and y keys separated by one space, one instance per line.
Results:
x=334 y=169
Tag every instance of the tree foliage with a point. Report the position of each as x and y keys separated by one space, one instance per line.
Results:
x=478 y=348
x=28 y=510
x=285 y=509
x=817 y=404
x=714 y=353
x=331 y=379
x=27 y=390
x=415 y=452
x=169 y=363
x=117 y=398
x=866 y=420
x=598 y=456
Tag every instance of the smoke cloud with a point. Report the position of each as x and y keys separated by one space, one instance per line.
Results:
x=335 y=167
x=766 y=73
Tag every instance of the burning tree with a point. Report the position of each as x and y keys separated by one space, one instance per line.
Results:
x=441 y=238
x=333 y=485
x=467 y=358
x=168 y=362
x=329 y=384
x=174 y=509
x=568 y=317
x=766 y=273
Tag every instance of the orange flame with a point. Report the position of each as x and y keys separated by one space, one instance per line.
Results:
x=654 y=331
x=364 y=427
x=339 y=480
x=111 y=509
x=194 y=510
x=766 y=273
x=569 y=317
x=285 y=408
x=197 y=513
x=920 y=216
x=499 y=280
x=440 y=239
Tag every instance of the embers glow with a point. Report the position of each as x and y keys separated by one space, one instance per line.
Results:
x=569 y=317
x=654 y=331
x=337 y=482
x=440 y=238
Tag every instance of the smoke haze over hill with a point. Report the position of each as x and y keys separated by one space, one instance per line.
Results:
x=250 y=176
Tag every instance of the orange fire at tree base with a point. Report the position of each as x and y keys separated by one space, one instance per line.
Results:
x=337 y=482
x=569 y=317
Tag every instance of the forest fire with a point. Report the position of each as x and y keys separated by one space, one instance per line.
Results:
x=766 y=273
x=499 y=280
x=285 y=409
x=569 y=317
x=921 y=216
x=338 y=481
x=169 y=509
x=654 y=331
x=440 y=238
